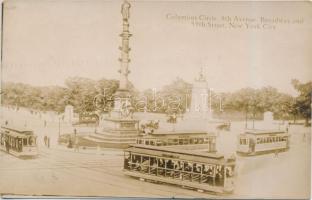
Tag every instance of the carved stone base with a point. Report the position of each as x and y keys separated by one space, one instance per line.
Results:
x=115 y=133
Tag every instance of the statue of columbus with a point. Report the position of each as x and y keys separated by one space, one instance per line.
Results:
x=125 y=10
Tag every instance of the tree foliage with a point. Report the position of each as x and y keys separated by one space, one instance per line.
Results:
x=175 y=97
x=302 y=102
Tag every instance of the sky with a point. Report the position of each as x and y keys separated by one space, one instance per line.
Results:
x=47 y=41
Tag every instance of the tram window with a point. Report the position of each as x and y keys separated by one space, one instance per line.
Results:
x=145 y=164
x=185 y=141
x=169 y=164
x=180 y=141
x=161 y=162
x=243 y=141
x=153 y=164
x=176 y=164
x=136 y=158
x=187 y=167
x=195 y=141
x=153 y=161
x=197 y=168
x=229 y=171
x=19 y=145
x=24 y=141
x=31 y=141
x=258 y=140
x=191 y=141
x=145 y=158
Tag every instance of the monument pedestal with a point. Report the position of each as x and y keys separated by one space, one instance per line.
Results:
x=118 y=129
x=115 y=133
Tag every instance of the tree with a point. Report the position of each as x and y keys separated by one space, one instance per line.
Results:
x=245 y=101
x=303 y=100
x=173 y=97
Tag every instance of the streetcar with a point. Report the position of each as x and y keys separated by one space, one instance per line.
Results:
x=255 y=141
x=202 y=171
x=190 y=140
x=20 y=142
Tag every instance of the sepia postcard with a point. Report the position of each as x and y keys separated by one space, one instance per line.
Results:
x=156 y=99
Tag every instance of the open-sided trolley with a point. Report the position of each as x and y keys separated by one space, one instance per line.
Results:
x=192 y=169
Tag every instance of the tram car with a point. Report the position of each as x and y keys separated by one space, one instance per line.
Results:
x=189 y=140
x=202 y=171
x=254 y=142
x=20 y=142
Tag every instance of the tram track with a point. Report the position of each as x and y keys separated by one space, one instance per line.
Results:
x=114 y=177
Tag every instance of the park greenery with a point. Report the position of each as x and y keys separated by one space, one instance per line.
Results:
x=82 y=93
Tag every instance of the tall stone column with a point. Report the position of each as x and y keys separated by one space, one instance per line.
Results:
x=122 y=96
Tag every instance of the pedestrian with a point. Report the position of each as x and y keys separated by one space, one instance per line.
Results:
x=45 y=140
x=48 y=142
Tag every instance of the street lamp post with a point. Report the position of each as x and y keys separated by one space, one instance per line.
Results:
x=59 y=127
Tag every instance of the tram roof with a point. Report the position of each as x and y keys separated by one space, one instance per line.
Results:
x=181 y=133
x=178 y=132
x=168 y=152
x=22 y=130
x=263 y=132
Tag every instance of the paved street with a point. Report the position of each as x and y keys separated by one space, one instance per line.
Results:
x=61 y=171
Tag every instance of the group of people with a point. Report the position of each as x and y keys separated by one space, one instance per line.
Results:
x=204 y=173
x=149 y=127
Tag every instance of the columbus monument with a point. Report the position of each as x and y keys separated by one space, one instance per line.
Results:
x=119 y=129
